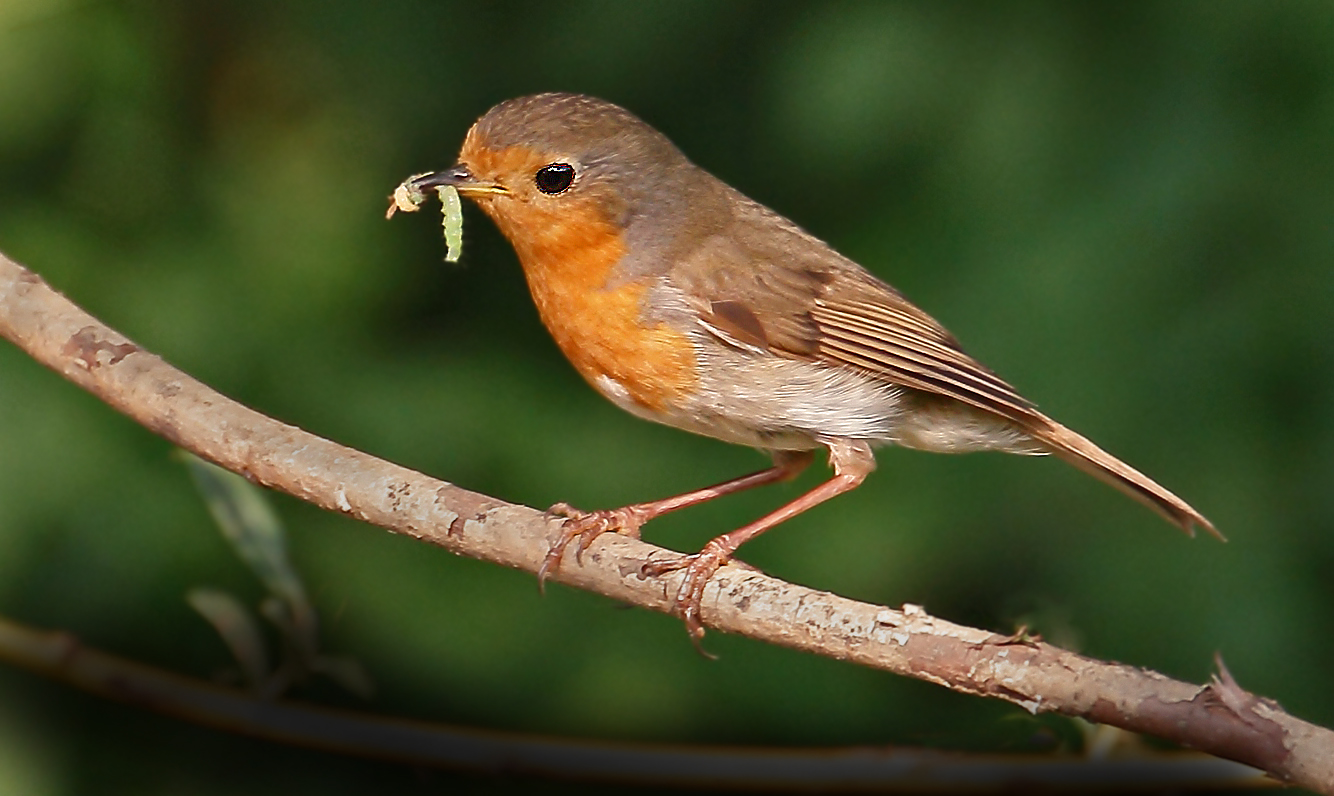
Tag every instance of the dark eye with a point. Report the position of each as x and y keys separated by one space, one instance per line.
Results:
x=555 y=177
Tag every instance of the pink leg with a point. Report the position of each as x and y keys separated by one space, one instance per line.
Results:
x=585 y=526
x=852 y=461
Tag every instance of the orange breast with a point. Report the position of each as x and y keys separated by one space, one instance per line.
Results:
x=568 y=252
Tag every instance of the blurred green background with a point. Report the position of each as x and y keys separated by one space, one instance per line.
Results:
x=1124 y=208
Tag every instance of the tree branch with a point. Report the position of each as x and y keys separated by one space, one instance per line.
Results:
x=1219 y=718
x=63 y=657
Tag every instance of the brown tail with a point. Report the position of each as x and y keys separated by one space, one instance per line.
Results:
x=1102 y=465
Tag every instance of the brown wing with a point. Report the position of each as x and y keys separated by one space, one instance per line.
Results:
x=855 y=320
x=783 y=291
x=769 y=286
x=863 y=322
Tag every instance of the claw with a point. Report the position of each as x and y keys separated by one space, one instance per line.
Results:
x=582 y=527
x=551 y=562
x=686 y=604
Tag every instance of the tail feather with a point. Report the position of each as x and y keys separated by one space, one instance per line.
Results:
x=1100 y=464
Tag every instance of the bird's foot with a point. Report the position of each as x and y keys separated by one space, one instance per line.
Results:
x=582 y=527
x=699 y=568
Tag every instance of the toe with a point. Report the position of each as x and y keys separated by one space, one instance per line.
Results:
x=652 y=569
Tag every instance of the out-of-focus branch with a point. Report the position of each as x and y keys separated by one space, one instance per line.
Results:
x=62 y=657
x=1219 y=718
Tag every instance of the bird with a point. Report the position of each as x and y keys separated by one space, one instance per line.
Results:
x=684 y=302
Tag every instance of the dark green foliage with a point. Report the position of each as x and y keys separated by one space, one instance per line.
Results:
x=1126 y=209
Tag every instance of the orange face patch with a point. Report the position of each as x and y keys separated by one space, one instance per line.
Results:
x=568 y=250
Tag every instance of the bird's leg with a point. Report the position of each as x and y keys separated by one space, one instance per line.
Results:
x=852 y=461
x=585 y=526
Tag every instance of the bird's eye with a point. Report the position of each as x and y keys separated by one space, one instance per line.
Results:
x=555 y=177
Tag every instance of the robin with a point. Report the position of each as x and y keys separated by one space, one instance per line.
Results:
x=684 y=302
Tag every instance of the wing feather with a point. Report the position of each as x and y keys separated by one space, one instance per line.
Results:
x=906 y=346
x=765 y=284
x=769 y=286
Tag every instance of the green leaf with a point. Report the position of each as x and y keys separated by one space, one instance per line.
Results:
x=254 y=531
x=239 y=631
x=346 y=672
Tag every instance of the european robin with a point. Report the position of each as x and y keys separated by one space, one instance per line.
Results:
x=684 y=302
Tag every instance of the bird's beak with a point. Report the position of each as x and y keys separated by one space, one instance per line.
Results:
x=461 y=178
